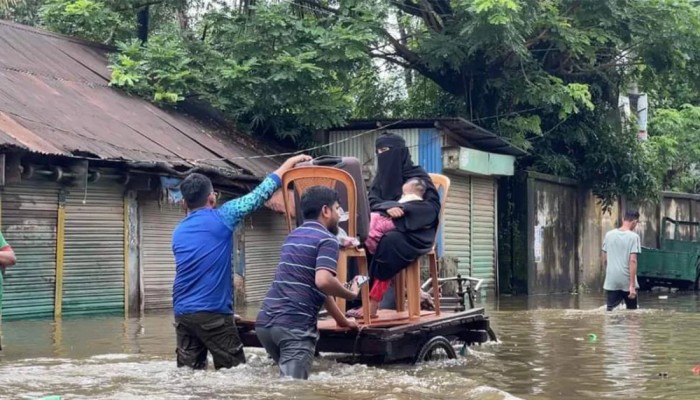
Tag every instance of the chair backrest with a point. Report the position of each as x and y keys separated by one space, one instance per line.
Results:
x=442 y=184
x=306 y=177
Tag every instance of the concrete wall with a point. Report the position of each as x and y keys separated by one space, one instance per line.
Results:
x=551 y=232
x=678 y=206
x=593 y=224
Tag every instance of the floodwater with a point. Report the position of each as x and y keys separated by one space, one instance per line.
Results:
x=551 y=347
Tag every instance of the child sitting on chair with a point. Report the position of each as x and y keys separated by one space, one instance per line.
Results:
x=380 y=223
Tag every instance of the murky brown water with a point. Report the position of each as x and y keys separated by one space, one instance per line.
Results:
x=545 y=353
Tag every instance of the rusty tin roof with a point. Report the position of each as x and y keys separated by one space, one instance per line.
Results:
x=55 y=99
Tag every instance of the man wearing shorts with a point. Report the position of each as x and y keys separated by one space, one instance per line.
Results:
x=620 y=249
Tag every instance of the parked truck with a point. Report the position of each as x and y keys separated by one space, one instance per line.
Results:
x=676 y=263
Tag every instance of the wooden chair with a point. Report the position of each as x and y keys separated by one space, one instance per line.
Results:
x=306 y=177
x=408 y=280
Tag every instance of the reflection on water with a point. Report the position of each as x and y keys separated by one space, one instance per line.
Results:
x=551 y=347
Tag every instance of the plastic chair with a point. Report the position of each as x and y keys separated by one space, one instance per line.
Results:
x=408 y=280
x=305 y=177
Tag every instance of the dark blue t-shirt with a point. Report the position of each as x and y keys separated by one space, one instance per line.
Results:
x=293 y=300
x=202 y=245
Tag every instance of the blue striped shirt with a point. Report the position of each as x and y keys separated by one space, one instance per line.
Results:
x=293 y=300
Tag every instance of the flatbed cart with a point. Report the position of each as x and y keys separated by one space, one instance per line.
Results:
x=393 y=337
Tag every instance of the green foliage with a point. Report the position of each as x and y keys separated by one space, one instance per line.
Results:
x=268 y=71
x=546 y=74
x=88 y=19
x=673 y=149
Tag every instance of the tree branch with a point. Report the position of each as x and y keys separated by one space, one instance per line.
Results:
x=388 y=57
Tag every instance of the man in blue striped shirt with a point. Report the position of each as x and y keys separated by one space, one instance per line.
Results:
x=304 y=281
x=202 y=290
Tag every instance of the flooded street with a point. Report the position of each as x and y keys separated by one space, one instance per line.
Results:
x=554 y=347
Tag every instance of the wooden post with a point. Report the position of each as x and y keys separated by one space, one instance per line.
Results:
x=126 y=255
x=60 y=244
x=342 y=274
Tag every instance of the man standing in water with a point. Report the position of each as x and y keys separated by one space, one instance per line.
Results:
x=304 y=281
x=202 y=291
x=620 y=249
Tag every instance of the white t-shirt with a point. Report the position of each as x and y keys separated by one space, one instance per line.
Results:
x=619 y=245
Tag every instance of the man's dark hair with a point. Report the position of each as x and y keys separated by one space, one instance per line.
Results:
x=419 y=184
x=631 y=215
x=313 y=200
x=195 y=190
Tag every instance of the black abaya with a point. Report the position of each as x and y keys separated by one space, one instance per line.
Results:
x=415 y=231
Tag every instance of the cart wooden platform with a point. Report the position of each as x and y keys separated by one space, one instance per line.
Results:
x=393 y=337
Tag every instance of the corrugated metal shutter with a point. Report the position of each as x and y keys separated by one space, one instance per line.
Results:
x=483 y=231
x=93 y=271
x=457 y=232
x=157 y=224
x=265 y=232
x=29 y=216
x=430 y=158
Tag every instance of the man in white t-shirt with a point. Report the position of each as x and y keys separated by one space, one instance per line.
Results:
x=620 y=249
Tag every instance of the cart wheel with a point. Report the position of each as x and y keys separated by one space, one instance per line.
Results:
x=437 y=348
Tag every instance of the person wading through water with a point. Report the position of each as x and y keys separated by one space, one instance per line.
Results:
x=203 y=290
x=416 y=222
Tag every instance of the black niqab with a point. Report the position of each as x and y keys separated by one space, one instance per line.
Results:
x=415 y=231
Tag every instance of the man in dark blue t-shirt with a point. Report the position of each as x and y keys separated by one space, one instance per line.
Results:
x=203 y=291
x=304 y=281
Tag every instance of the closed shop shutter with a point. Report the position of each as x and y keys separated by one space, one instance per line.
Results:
x=158 y=264
x=483 y=231
x=456 y=229
x=265 y=232
x=93 y=271
x=29 y=217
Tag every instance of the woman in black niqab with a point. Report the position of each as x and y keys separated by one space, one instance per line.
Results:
x=415 y=229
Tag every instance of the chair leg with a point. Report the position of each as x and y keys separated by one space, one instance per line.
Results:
x=362 y=261
x=400 y=290
x=342 y=275
x=433 y=265
x=413 y=289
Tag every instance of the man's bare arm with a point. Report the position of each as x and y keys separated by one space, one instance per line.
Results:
x=7 y=258
x=337 y=315
x=633 y=274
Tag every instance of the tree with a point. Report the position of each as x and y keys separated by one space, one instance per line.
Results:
x=281 y=75
x=547 y=74
x=674 y=148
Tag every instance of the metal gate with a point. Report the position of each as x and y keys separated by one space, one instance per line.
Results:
x=93 y=271
x=483 y=231
x=158 y=264
x=29 y=218
x=265 y=231
x=456 y=224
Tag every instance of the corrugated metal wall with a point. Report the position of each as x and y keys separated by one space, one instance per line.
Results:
x=93 y=277
x=29 y=215
x=265 y=232
x=457 y=229
x=483 y=231
x=157 y=261
x=430 y=158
